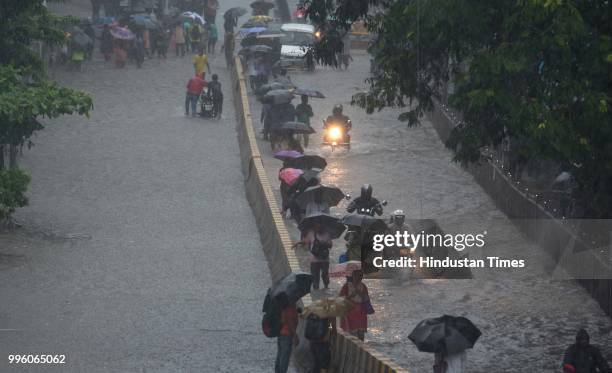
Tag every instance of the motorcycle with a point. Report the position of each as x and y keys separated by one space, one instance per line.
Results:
x=336 y=134
x=372 y=210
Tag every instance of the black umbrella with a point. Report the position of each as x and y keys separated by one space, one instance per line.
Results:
x=263 y=5
x=330 y=224
x=292 y=287
x=307 y=179
x=306 y=162
x=308 y=92
x=278 y=96
x=366 y=222
x=235 y=12
x=446 y=335
x=79 y=38
x=296 y=127
x=329 y=195
x=273 y=87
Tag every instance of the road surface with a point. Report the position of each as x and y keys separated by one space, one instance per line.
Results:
x=139 y=252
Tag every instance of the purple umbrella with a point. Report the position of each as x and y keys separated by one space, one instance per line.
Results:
x=122 y=33
x=287 y=154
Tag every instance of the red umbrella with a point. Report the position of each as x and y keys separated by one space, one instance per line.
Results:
x=289 y=175
x=344 y=269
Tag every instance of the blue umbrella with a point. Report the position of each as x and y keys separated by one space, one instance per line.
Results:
x=104 y=20
x=251 y=30
x=144 y=21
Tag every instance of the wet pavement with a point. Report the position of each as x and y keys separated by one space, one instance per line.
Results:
x=139 y=251
x=527 y=319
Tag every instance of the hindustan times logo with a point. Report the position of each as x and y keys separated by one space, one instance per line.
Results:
x=404 y=239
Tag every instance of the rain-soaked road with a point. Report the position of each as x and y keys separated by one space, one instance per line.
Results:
x=527 y=319
x=139 y=252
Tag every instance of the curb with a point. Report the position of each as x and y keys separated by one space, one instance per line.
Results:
x=349 y=354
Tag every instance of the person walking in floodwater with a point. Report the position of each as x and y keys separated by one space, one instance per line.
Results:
x=287 y=338
x=356 y=319
x=582 y=357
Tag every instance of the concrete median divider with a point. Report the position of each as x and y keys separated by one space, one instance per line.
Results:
x=349 y=354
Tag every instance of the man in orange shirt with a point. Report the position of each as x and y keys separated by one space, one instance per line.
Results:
x=287 y=338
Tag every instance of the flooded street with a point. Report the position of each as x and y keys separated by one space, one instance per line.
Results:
x=139 y=251
x=527 y=319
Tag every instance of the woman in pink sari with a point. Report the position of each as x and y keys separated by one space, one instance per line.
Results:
x=356 y=319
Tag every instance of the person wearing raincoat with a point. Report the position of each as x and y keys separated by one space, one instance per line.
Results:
x=355 y=321
x=582 y=357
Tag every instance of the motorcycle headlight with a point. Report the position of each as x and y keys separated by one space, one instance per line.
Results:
x=335 y=133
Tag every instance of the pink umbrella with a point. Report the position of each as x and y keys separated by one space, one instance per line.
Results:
x=289 y=175
x=344 y=269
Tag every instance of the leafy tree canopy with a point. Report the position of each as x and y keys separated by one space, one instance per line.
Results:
x=537 y=70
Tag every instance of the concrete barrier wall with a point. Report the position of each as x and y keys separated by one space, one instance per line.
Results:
x=542 y=227
x=349 y=354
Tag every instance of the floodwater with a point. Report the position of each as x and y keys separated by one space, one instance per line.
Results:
x=527 y=319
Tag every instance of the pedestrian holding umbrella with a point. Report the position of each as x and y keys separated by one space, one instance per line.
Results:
x=446 y=335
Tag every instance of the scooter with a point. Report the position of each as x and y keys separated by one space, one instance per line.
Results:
x=336 y=134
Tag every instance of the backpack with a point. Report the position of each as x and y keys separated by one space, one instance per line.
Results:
x=316 y=328
x=271 y=322
x=320 y=249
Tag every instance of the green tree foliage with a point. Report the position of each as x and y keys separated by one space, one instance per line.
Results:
x=13 y=185
x=25 y=92
x=538 y=70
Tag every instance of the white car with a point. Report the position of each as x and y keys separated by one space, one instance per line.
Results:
x=298 y=37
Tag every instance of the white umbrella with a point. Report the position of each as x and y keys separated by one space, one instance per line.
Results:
x=195 y=16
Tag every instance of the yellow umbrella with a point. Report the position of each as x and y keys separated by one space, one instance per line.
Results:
x=329 y=307
x=260 y=19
